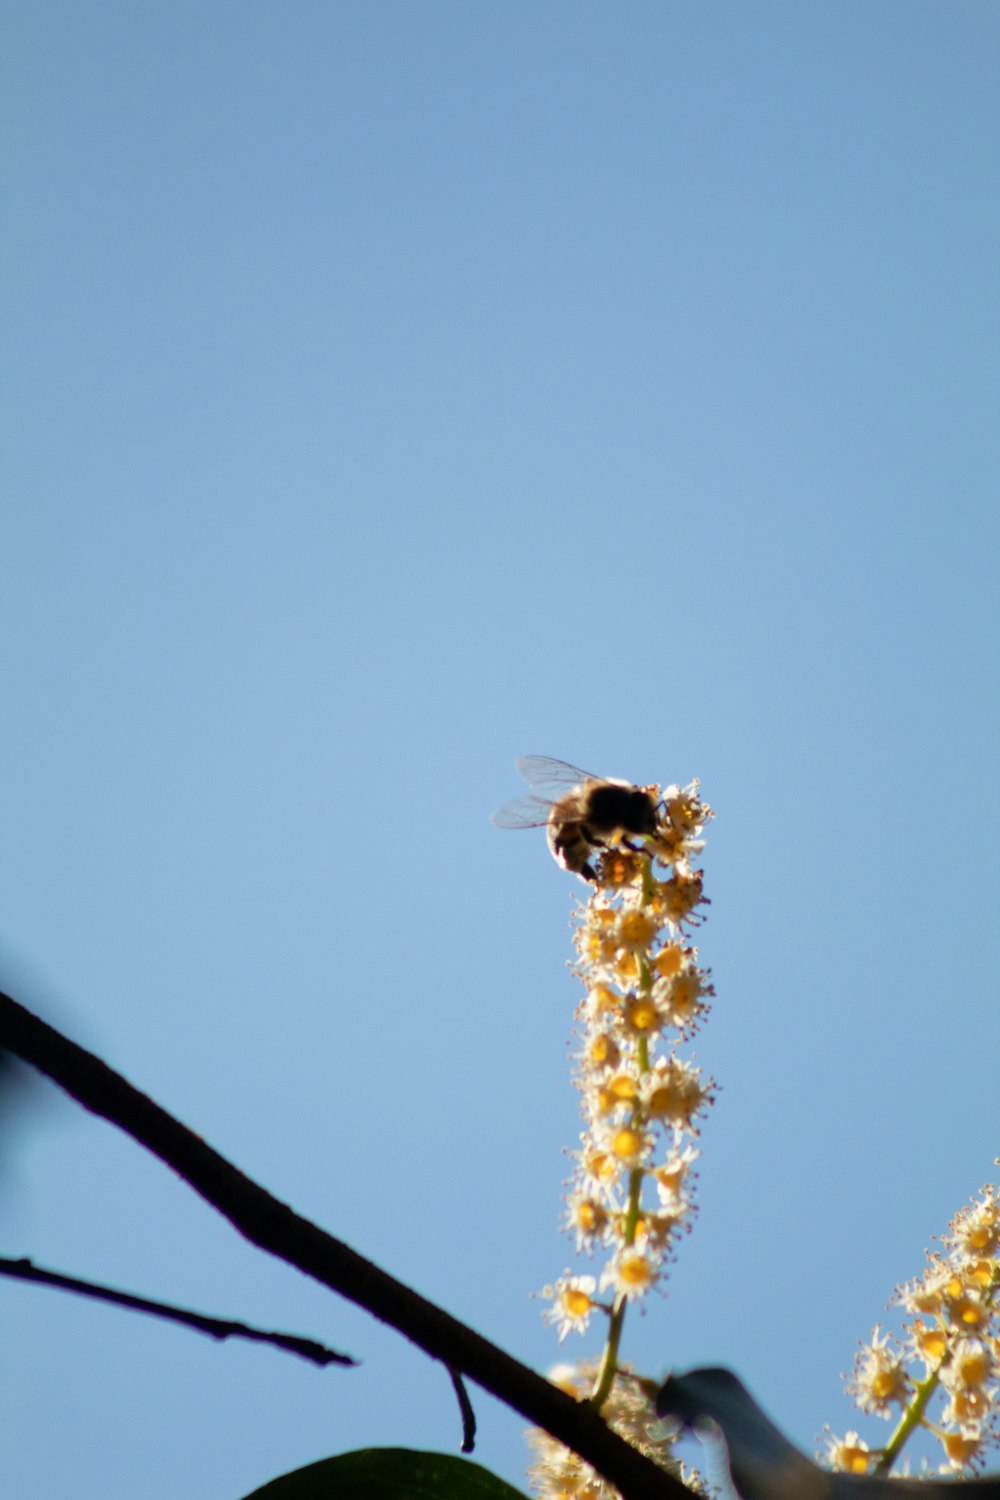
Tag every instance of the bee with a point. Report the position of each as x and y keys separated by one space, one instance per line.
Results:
x=583 y=813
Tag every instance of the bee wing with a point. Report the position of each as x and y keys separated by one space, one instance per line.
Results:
x=523 y=812
x=553 y=776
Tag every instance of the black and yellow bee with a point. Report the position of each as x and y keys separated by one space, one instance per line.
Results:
x=579 y=812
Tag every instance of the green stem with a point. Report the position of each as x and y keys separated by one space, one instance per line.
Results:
x=909 y=1421
x=609 y=1359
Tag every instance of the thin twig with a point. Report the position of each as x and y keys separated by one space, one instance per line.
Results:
x=465 y=1407
x=276 y=1228
x=216 y=1328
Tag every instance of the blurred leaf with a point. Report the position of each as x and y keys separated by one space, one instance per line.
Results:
x=388 y=1474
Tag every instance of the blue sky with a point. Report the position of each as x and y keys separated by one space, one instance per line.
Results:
x=394 y=389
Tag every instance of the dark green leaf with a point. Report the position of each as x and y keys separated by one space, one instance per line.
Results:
x=388 y=1474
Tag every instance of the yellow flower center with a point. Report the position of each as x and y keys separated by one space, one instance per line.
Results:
x=636 y=930
x=883 y=1384
x=854 y=1460
x=590 y=1216
x=602 y=1166
x=623 y=1086
x=634 y=1271
x=627 y=1144
x=974 y=1369
x=642 y=1013
x=576 y=1303
x=669 y=961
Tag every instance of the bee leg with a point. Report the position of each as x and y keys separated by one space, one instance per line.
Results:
x=585 y=871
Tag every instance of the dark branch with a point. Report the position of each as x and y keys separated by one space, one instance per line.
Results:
x=216 y=1328
x=276 y=1228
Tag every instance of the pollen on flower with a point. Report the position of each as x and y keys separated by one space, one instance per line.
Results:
x=620 y=867
x=684 y=809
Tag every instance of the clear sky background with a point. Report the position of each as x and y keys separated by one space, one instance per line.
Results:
x=393 y=389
